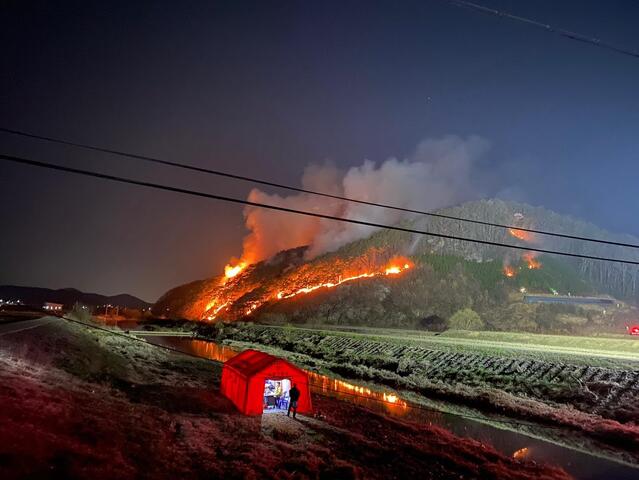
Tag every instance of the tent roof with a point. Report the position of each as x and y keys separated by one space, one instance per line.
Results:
x=250 y=362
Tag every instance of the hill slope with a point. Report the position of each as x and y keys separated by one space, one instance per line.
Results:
x=434 y=278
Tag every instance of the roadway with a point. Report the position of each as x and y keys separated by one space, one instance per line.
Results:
x=8 y=328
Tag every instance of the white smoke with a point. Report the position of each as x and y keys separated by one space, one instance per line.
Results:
x=437 y=174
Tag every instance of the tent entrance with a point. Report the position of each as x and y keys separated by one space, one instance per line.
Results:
x=276 y=397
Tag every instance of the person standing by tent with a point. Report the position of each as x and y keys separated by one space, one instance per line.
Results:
x=294 y=394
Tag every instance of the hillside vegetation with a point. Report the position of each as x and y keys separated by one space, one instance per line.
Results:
x=448 y=277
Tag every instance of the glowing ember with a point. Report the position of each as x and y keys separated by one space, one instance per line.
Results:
x=521 y=453
x=509 y=271
x=521 y=234
x=230 y=271
x=391 y=398
x=531 y=260
x=213 y=314
x=252 y=307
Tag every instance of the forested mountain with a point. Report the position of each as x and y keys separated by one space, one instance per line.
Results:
x=619 y=280
x=36 y=296
x=407 y=280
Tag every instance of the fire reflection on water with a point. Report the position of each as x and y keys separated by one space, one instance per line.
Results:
x=357 y=394
x=505 y=441
x=365 y=397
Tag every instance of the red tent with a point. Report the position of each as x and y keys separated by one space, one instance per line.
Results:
x=244 y=377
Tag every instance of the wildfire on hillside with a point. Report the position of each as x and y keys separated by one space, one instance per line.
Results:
x=510 y=271
x=390 y=270
x=216 y=310
x=232 y=271
x=531 y=260
x=395 y=266
x=521 y=234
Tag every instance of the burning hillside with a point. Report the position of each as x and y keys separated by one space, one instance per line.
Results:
x=245 y=289
x=365 y=283
x=528 y=258
x=436 y=174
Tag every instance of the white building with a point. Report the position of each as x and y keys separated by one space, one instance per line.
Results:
x=52 y=307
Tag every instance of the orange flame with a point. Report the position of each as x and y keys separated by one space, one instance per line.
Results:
x=521 y=234
x=232 y=271
x=396 y=266
x=252 y=307
x=390 y=398
x=391 y=269
x=509 y=271
x=216 y=310
x=531 y=260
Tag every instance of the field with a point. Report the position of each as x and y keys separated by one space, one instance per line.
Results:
x=609 y=350
x=81 y=403
x=584 y=385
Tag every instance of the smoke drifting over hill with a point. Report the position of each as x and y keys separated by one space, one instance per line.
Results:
x=436 y=175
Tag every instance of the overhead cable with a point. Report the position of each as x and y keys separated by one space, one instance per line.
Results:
x=114 y=178
x=258 y=181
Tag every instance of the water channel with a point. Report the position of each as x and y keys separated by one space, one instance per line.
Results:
x=579 y=464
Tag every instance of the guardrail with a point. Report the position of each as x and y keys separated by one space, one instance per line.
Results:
x=154 y=333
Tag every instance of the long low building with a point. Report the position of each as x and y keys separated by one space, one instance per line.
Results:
x=568 y=299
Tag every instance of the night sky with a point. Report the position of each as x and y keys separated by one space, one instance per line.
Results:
x=266 y=88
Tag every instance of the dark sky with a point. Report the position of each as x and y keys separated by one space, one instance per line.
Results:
x=264 y=89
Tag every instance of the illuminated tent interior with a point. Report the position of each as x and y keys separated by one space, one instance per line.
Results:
x=257 y=382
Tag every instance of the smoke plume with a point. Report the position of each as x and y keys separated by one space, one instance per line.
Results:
x=437 y=174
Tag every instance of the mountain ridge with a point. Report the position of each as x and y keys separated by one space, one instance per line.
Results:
x=68 y=296
x=448 y=275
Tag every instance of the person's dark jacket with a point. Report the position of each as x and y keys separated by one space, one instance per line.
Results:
x=294 y=394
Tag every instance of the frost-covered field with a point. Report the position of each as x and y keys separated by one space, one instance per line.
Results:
x=617 y=351
x=598 y=397
x=80 y=403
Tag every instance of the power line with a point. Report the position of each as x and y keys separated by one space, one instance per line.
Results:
x=104 y=176
x=317 y=390
x=304 y=190
x=544 y=26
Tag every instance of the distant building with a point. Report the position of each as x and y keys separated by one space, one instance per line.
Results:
x=568 y=300
x=52 y=307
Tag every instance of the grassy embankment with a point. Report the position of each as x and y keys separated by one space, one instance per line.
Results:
x=600 y=402
x=615 y=351
x=81 y=403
